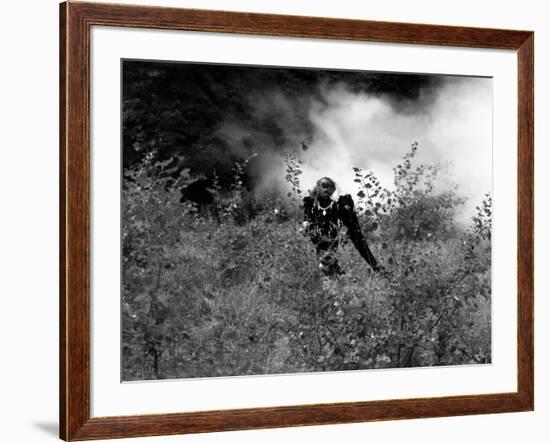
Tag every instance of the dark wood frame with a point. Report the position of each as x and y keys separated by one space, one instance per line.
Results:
x=76 y=20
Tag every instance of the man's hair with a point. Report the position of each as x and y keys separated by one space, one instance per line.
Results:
x=315 y=191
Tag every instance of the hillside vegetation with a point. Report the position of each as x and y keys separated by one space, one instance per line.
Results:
x=233 y=288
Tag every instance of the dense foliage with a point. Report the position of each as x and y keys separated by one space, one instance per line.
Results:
x=233 y=287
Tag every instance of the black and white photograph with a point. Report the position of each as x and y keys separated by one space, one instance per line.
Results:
x=281 y=220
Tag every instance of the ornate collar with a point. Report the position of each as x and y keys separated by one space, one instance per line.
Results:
x=324 y=209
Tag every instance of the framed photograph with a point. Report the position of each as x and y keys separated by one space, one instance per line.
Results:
x=271 y=221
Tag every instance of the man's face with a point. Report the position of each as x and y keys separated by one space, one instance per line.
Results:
x=326 y=189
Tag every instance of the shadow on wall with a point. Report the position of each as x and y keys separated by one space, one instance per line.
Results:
x=50 y=428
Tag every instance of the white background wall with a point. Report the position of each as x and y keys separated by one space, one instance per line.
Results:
x=29 y=205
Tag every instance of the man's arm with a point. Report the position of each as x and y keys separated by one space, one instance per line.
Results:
x=349 y=219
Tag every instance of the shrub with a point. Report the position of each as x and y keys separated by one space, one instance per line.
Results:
x=237 y=290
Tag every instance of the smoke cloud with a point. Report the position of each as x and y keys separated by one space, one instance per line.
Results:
x=451 y=122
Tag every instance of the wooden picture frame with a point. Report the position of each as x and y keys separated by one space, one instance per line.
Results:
x=76 y=20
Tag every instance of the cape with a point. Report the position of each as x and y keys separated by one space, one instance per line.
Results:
x=327 y=220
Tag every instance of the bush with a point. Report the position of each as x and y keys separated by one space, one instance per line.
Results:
x=236 y=290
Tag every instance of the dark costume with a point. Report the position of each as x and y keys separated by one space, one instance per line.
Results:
x=324 y=227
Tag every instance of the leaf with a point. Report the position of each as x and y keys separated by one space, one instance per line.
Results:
x=361 y=194
x=162 y=298
x=141 y=297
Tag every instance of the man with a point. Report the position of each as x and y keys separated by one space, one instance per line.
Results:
x=326 y=219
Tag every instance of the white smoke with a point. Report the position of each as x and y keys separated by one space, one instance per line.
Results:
x=374 y=132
